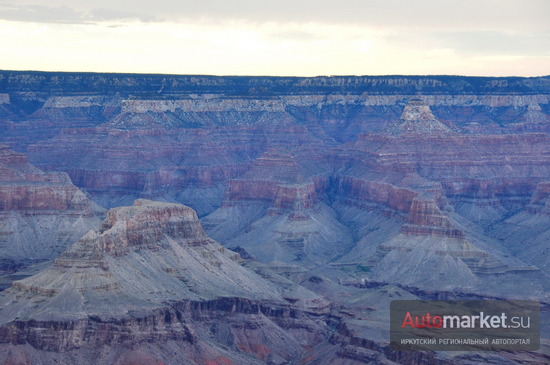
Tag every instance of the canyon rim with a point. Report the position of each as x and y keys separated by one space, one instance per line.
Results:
x=163 y=219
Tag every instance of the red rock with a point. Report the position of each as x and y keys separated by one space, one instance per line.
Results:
x=277 y=177
x=40 y=213
x=356 y=189
x=149 y=224
x=198 y=134
x=426 y=219
x=26 y=188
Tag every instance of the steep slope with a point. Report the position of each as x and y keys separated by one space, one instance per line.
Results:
x=417 y=118
x=117 y=166
x=150 y=279
x=215 y=126
x=431 y=251
x=527 y=232
x=432 y=193
x=192 y=166
x=5 y=111
x=40 y=213
x=275 y=214
x=364 y=189
x=150 y=252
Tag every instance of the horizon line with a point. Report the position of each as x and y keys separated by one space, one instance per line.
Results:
x=271 y=76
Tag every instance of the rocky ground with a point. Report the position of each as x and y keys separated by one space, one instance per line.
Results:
x=340 y=194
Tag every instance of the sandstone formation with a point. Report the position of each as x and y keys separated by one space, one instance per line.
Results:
x=265 y=158
x=147 y=163
x=274 y=213
x=453 y=187
x=417 y=118
x=41 y=213
x=147 y=281
x=362 y=189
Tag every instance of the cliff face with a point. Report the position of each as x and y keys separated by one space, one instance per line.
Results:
x=534 y=219
x=109 y=264
x=282 y=179
x=274 y=211
x=363 y=189
x=151 y=276
x=417 y=119
x=193 y=138
x=26 y=188
x=287 y=145
x=341 y=107
x=426 y=219
x=121 y=137
x=40 y=213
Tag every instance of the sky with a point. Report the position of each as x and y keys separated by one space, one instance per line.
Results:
x=278 y=37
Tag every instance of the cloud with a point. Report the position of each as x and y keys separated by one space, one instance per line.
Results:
x=106 y=14
x=525 y=15
x=41 y=14
x=474 y=43
x=64 y=14
x=486 y=43
x=292 y=37
x=495 y=15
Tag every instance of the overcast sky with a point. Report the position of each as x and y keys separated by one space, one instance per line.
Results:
x=278 y=37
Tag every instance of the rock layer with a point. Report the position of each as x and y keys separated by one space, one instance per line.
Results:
x=40 y=213
x=417 y=118
x=426 y=219
x=151 y=275
x=150 y=251
x=328 y=181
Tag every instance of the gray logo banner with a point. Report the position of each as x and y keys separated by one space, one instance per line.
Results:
x=465 y=325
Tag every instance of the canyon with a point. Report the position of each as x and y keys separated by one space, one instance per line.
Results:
x=147 y=280
x=325 y=197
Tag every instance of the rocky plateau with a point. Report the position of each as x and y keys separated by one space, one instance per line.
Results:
x=339 y=194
